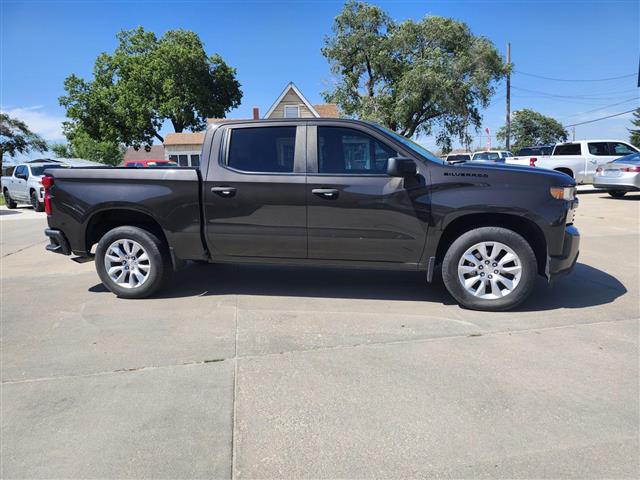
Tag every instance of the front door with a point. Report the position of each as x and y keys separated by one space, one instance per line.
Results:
x=355 y=210
x=19 y=184
x=255 y=193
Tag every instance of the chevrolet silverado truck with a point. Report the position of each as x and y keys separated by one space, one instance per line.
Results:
x=332 y=192
x=23 y=184
x=579 y=159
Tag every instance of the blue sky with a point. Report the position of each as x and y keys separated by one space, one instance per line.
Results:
x=274 y=42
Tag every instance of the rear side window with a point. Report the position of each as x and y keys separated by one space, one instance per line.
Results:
x=349 y=151
x=567 y=149
x=617 y=148
x=599 y=149
x=263 y=149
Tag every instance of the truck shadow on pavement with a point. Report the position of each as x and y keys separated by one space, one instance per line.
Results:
x=584 y=287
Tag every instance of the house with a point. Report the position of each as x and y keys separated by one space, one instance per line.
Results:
x=155 y=153
x=184 y=148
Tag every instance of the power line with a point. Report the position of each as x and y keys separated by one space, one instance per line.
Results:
x=575 y=80
x=602 y=108
x=591 y=96
x=601 y=118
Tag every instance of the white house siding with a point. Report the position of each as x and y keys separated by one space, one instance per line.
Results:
x=192 y=153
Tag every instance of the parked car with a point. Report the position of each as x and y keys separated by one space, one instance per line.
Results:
x=579 y=159
x=458 y=157
x=23 y=184
x=536 y=151
x=620 y=176
x=491 y=156
x=148 y=163
x=355 y=195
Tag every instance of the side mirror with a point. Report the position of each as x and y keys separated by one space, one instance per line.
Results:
x=401 y=167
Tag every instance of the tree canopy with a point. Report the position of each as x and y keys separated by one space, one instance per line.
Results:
x=15 y=137
x=530 y=128
x=634 y=138
x=146 y=81
x=81 y=145
x=430 y=76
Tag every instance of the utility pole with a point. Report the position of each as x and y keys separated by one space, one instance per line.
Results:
x=574 y=133
x=508 y=96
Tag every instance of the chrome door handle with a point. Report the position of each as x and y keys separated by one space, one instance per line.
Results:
x=224 y=191
x=325 y=192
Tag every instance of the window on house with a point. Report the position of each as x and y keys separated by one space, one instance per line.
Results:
x=195 y=160
x=349 y=151
x=291 y=111
x=264 y=149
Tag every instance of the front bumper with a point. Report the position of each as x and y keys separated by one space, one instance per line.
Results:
x=58 y=243
x=563 y=264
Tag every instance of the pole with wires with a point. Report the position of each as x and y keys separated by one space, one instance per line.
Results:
x=508 y=119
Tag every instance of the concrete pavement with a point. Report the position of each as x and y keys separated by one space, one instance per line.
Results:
x=262 y=372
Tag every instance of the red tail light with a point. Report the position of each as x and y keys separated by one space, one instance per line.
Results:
x=47 y=183
x=630 y=169
x=532 y=161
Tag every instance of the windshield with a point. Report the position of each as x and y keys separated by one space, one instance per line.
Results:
x=39 y=170
x=486 y=156
x=459 y=156
x=419 y=149
x=633 y=158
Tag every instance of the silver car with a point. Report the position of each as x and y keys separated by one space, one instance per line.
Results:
x=620 y=176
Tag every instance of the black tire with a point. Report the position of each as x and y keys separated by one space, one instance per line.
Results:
x=8 y=201
x=617 y=193
x=156 y=250
x=35 y=202
x=509 y=238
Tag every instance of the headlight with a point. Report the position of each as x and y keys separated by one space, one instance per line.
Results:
x=563 y=193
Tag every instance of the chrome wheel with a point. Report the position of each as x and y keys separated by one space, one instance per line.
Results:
x=127 y=263
x=489 y=270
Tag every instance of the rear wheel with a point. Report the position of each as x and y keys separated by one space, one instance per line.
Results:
x=35 y=202
x=8 y=201
x=132 y=262
x=617 y=193
x=489 y=268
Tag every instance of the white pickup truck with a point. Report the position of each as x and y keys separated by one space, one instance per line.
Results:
x=23 y=184
x=578 y=159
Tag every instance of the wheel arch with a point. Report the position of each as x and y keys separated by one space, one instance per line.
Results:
x=566 y=171
x=104 y=220
x=521 y=225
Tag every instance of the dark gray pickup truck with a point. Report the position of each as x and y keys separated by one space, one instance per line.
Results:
x=320 y=192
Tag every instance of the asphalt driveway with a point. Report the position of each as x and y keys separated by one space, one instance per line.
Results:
x=263 y=372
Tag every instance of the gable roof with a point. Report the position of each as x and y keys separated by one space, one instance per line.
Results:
x=184 y=138
x=291 y=86
x=328 y=110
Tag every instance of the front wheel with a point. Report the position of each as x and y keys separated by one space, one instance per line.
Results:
x=489 y=268
x=36 y=203
x=132 y=262
x=617 y=193
x=8 y=201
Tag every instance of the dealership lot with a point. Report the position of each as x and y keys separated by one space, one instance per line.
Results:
x=261 y=372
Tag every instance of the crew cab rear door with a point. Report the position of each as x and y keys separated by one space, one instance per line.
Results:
x=254 y=192
x=356 y=212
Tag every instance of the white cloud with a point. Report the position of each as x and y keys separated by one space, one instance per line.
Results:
x=46 y=125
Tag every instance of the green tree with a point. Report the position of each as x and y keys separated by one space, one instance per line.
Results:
x=15 y=137
x=532 y=128
x=81 y=145
x=147 y=81
x=427 y=77
x=634 y=138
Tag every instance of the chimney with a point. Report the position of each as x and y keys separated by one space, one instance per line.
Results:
x=256 y=113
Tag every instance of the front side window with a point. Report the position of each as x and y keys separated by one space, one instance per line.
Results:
x=567 y=149
x=617 y=148
x=263 y=149
x=598 y=149
x=21 y=171
x=349 y=151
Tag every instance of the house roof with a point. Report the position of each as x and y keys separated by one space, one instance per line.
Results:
x=328 y=110
x=291 y=86
x=184 y=138
x=156 y=152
